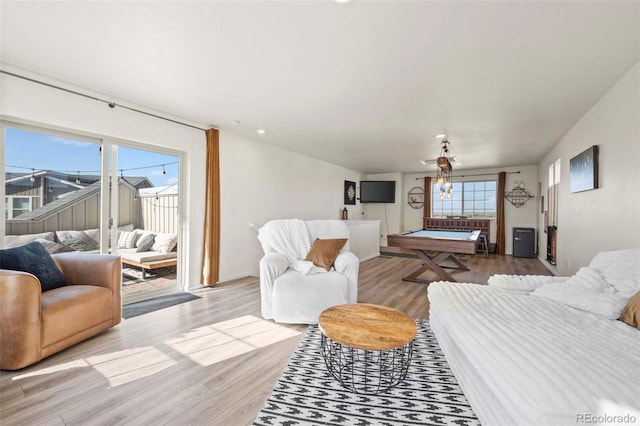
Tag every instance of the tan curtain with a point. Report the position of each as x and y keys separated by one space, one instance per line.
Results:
x=211 y=246
x=427 y=199
x=500 y=233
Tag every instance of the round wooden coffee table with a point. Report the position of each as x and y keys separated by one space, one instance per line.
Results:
x=367 y=348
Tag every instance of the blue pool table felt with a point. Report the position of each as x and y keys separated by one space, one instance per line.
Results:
x=444 y=234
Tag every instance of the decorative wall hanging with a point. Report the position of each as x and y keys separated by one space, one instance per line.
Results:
x=416 y=197
x=349 y=192
x=518 y=195
x=584 y=170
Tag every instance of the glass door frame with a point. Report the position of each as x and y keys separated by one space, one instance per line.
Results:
x=109 y=179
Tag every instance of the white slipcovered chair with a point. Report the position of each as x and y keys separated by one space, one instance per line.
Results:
x=291 y=296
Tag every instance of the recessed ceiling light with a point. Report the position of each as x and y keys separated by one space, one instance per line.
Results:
x=261 y=131
x=441 y=136
x=235 y=122
x=342 y=1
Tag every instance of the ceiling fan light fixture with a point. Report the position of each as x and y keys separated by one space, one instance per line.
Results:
x=444 y=164
x=444 y=172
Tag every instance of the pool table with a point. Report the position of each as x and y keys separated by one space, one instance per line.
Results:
x=445 y=242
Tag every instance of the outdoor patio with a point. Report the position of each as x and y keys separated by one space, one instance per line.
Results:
x=157 y=281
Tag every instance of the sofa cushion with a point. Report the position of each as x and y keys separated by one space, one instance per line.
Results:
x=73 y=309
x=20 y=240
x=34 y=259
x=147 y=256
x=53 y=247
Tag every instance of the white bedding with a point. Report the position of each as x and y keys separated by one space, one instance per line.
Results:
x=526 y=360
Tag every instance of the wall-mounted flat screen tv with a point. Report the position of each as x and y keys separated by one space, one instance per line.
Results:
x=377 y=191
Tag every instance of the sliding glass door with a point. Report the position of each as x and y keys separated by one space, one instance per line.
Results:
x=76 y=193
x=148 y=204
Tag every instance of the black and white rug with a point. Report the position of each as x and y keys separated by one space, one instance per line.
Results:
x=306 y=393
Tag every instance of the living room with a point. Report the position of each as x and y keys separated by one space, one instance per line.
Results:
x=263 y=178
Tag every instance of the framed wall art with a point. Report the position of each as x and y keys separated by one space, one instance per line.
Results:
x=349 y=192
x=583 y=169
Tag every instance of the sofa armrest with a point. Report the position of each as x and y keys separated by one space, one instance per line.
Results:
x=272 y=265
x=104 y=270
x=348 y=265
x=20 y=325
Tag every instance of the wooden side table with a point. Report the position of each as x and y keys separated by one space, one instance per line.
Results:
x=367 y=348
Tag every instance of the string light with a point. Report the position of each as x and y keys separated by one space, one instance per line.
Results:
x=93 y=171
x=164 y=172
x=78 y=178
x=33 y=175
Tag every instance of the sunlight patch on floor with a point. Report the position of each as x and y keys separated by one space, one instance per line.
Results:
x=224 y=340
x=132 y=364
x=80 y=363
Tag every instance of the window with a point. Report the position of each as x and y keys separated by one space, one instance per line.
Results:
x=15 y=206
x=470 y=199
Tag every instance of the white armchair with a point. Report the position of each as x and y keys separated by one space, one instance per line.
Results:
x=290 y=296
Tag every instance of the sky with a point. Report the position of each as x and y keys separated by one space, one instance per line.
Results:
x=26 y=150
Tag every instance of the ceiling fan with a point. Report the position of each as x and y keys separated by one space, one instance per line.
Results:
x=440 y=161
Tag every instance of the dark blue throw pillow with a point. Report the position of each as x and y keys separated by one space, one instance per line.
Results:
x=34 y=259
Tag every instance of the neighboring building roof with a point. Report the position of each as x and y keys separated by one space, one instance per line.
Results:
x=61 y=203
x=74 y=197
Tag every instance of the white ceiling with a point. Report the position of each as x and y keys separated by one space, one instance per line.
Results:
x=366 y=85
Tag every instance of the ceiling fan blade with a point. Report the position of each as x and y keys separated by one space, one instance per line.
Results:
x=454 y=160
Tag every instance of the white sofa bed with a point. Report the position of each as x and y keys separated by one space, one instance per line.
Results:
x=523 y=358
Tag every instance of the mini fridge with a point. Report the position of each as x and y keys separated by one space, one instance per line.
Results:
x=524 y=242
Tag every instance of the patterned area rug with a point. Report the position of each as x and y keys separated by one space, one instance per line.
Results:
x=306 y=394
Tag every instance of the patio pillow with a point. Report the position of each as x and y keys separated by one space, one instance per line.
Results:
x=34 y=259
x=128 y=240
x=164 y=242
x=53 y=247
x=145 y=243
x=77 y=240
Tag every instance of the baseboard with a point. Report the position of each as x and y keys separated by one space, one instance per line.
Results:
x=373 y=256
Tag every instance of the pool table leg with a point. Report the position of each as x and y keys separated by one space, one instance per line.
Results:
x=432 y=263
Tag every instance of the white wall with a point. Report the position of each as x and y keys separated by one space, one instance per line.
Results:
x=389 y=214
x=523 y=216
x=29 y=102
x=261 y=182
x=606 y=218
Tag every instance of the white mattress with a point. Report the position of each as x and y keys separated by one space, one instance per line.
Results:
x=524 y=360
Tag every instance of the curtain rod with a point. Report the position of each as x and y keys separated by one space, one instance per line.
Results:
x=109 y=103
x=480 y=174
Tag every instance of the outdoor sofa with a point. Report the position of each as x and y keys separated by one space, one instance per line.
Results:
x=162 y=253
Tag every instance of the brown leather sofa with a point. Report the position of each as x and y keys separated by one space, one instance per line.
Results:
x=36 y=324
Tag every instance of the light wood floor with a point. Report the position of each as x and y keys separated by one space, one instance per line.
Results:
x=210 y=361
